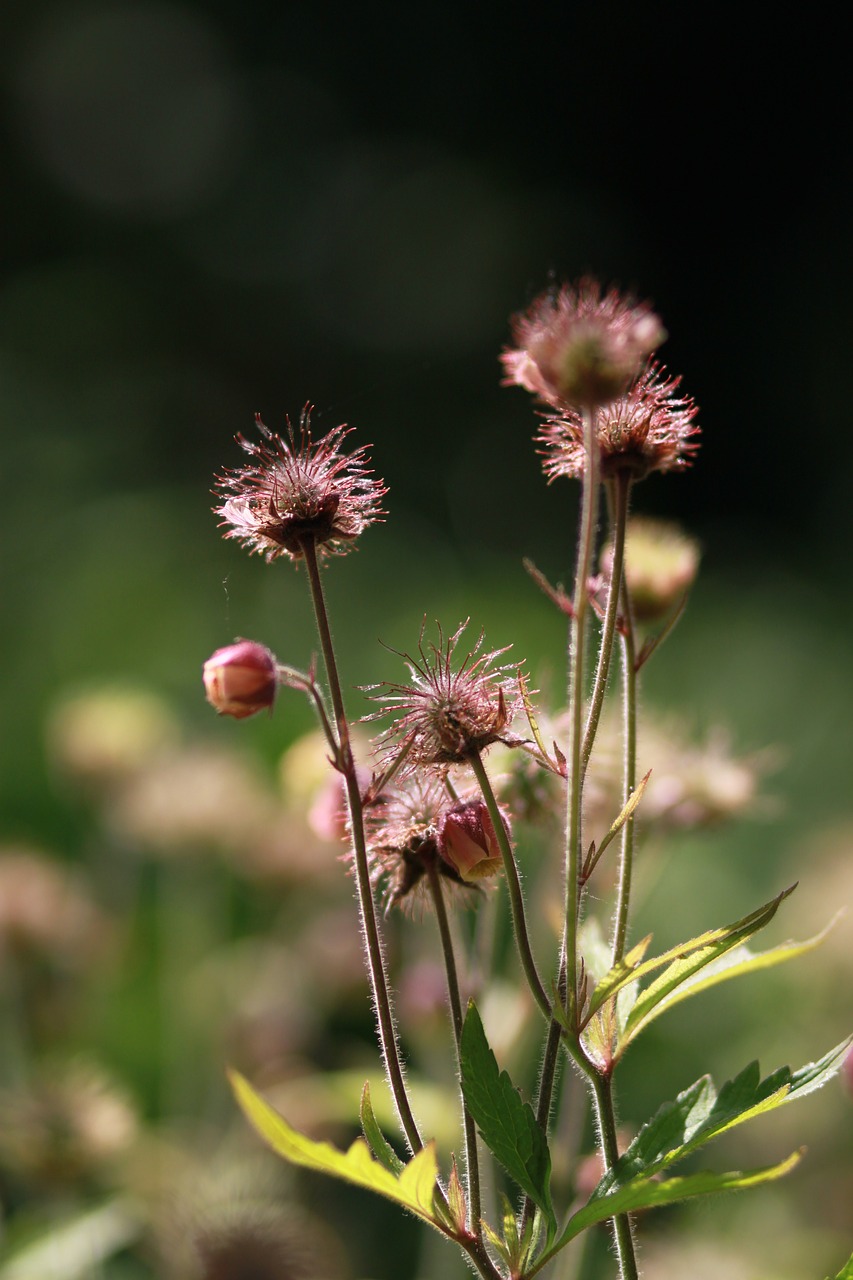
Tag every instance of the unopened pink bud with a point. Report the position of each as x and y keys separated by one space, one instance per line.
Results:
x=241 y=679
x=467 y=841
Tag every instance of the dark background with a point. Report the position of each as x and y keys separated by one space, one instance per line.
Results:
x=213 y=210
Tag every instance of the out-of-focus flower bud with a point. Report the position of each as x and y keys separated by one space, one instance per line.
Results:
x=467 y=840
x=661 y=562
x=241 y=679
x=104 y=736
x=581 y=348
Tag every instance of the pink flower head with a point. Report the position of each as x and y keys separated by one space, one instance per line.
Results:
x=649 y=428
x=467 y=840
x=241 y=679
x=447 y=715
x=297 y=491
x=404 y=843
x=577 y=348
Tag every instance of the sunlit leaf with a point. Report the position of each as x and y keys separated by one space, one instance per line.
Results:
x=506 y=1123
x=733 y=964
x=645 y=1192
x=413 y=1189
x=700 y=1113
x=684 y=960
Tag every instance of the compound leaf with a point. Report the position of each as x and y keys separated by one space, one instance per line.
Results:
x=700 y=1114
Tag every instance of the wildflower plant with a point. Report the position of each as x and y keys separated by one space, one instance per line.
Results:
x=431 y=824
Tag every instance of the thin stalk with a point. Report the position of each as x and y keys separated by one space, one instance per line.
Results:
x=301 y=680
x=629 y=774
x=387 y=1031
x=567 y=972
x=619 y=496
x=516 y=899
x=456 y=1017
x=580 y=603
x=370 y=929
x=606 y=1122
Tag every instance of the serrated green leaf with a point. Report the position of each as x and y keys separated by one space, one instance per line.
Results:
x=506 y=1123
x=733 y=964
x=375 y=1138
x=413 y=1189
x=683 y=960
x=700 y=1114
x=647 y=1193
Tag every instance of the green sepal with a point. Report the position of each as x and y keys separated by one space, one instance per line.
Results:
x=413 y=1189
x=375 y=1138
x=507 y=1125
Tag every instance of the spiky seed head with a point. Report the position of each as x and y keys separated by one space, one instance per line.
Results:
x=297 y=490
x=452 y=710
x=650 y=428
x=404 y=843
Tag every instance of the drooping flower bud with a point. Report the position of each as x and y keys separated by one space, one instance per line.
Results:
x=241 y=679
x=467 y=841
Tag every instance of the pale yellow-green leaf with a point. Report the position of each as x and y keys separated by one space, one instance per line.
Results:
x=650 y=1193
x=414 y=1188
x=709 y=945
x=733 y=964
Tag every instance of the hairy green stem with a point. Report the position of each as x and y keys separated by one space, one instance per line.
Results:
x=618 y=498
x=367 y=909
x=516 y=899
x=629 y=774
x=456 y=1017
x=580 y=610
x=306 y=682
x=567 y=970
x=606 y=1122
x=387 y=1031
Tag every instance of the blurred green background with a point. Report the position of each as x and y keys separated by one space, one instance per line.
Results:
x=212 y=210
